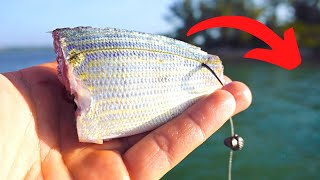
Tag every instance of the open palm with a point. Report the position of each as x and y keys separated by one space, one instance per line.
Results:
x=39 y=140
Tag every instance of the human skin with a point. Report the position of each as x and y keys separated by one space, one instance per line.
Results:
x=39 y=140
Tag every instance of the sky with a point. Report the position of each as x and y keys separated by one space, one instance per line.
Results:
x=24 y=23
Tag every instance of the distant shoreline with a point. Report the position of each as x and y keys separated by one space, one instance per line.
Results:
x=25 y=48
x=226 y=54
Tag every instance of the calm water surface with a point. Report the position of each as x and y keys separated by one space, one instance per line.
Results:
x=281 y=127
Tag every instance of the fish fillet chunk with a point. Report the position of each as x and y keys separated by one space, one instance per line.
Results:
x=126 y=82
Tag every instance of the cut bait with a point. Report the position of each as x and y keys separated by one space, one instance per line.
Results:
x=127 y=82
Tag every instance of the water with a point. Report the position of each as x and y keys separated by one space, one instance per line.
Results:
x=281 y=127
x=13 y=59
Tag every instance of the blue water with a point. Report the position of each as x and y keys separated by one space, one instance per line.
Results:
x=13 y=59
x=281 y=127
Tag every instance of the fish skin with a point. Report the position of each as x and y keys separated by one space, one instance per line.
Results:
x=128 y=82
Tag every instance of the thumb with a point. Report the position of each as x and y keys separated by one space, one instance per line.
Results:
x=165 y=147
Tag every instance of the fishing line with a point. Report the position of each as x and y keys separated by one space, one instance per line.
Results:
x=234 y=142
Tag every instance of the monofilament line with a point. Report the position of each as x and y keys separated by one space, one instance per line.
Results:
x=230 y=120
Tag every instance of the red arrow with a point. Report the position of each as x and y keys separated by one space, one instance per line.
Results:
x=284 y=52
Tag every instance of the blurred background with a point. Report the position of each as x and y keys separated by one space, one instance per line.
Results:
x=281 y=128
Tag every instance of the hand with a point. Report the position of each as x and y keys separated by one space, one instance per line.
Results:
x=39 y=139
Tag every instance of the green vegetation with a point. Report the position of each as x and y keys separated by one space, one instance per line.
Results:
x=303 y=15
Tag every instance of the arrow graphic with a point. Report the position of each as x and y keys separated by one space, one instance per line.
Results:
x=284 y=52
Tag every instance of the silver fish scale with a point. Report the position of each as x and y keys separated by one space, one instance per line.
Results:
x=128 y=82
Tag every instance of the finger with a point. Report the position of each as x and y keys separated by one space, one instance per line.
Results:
x=163 y=148
x=97 y=164
x=241 y=93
